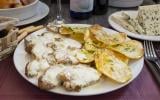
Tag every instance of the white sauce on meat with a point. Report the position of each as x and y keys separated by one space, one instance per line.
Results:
x=33 y=68
x=65 y=50
x=36 y=66
x=51 y=75
x=41 y=51
x=81 y=74
x=43 y=65
x=70 y=43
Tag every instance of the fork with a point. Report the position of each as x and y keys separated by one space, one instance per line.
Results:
x=150 y=53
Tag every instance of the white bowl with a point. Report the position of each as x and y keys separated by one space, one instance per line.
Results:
x=21 y=13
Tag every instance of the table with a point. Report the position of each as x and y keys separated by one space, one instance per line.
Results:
x=14 y=87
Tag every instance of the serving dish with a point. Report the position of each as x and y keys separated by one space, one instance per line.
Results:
x=119 y=28
x=103 y=86
x=22 y=12
x=41 y=12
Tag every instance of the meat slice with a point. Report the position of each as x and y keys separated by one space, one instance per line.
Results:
x=34 y=67
x=76 y=77
x=49 y=79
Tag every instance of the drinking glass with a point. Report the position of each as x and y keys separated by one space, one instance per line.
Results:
x=59 y=20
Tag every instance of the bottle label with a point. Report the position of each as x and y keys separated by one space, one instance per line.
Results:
x=81 y=5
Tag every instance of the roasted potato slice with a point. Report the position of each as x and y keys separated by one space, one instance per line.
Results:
x=78 y=36
x=76 y=33
x=106 y=38
x=91 y=43
x=121 y=57
x=97 y=32
x=115 y=39
x=65 y=30
x=88 y=45
x=131 y=49
x=85 y=56
x=112 y=67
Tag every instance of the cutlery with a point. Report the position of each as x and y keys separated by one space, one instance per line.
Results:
x=150 y=58
x=150 y=53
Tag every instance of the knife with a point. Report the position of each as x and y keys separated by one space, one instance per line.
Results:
x=153 y=70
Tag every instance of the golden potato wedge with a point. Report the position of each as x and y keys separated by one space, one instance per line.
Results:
x=121 y=57
x=98 y=58
x=85 y=56
x=89 y=39
x=89 y=46
x=97 y=32
x=106 y=38
x=65 y=30
x=112 y=67
x=131 y=49
x=115 y=39
x=78 y=36
x=87 y=35
x=76 y=33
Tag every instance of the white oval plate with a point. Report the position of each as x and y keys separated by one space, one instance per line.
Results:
x=42 y=11
x=104 y=86
x=131 y=34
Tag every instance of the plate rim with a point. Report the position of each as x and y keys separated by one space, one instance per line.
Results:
x=76 y=94
x=119 y=28
x=36 y=16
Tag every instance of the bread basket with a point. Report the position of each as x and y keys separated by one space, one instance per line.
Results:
x=8 y=43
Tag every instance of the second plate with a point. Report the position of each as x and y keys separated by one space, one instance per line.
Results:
x=42 y=11
x=131 y=34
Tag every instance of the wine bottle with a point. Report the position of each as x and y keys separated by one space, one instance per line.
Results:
x=81 y=9
x=156 y=1
x=100 y=7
